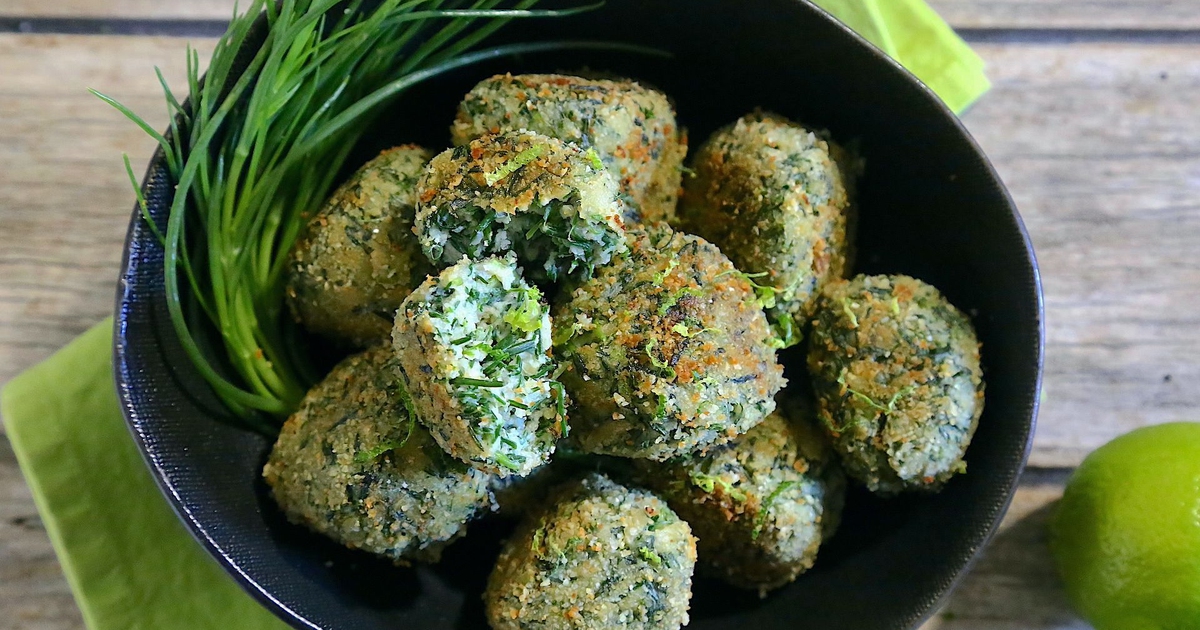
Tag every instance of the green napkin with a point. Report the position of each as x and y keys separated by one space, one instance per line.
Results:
x=130 y=562
x=913 y=34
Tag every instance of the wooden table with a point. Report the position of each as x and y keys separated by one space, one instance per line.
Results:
x=1094 y=123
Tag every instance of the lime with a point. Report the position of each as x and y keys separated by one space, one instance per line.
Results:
x=1126 y=536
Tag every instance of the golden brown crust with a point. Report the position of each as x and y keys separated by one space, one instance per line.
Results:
x=598 y=556
x=350 y=462
x=631 y=127
x=760 y=505
x=358 y=258
x=898 y=381
x=771 y=195
x=668 y=351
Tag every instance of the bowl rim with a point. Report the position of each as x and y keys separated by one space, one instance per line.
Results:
x=1035 y=271
x=155 y=171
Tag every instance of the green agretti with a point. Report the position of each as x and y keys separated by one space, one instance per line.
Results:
x=252 y=155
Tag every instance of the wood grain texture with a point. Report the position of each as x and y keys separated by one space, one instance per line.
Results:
x=1070 y=14
x=1003 y=14
x=1013 y=585
x=33 y=593
x=130 y=9
x=1098 y=146
x=64 y=197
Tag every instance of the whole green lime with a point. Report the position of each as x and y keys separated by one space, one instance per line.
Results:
x=1126 y=536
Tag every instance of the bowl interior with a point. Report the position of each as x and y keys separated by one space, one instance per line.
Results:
x=930 y=205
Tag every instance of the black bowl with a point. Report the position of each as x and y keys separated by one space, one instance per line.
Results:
x=931 y=207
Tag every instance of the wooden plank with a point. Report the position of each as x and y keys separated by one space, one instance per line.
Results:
x=1070 y=14
x=1013 y=585
x=991 y=14
x=65 y=196
x=127 y=9
x=1097 y=143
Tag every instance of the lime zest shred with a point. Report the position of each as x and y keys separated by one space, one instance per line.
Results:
x=594 y=158
x=785 y=332
x=539 y=536
x=528 y=316
x=660 y=411
x=369 y=455
x=563 y=334
x=674 y=298
x=682 y=330
x=848 y=309
x=649 y=555
x=861 y=396
x=518 y=161
x=891 y=404
x=764 y=294
x=662 y=275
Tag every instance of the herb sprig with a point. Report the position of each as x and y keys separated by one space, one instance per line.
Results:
x=254 y=151
x=764 y=510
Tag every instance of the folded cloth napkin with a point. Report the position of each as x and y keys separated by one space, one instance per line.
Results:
x=913 y=34
x=130 y=562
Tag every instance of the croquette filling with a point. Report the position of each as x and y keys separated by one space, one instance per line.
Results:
x=558 y=210
x=560 y=237
x=499 y=333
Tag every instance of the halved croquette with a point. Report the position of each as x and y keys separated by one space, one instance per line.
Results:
x=630 y=127
x=474 y=345
x=549 y=202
